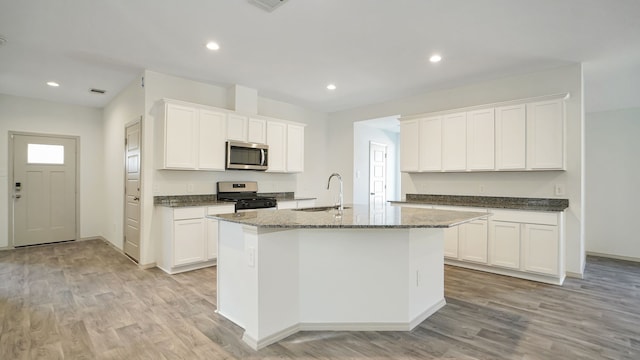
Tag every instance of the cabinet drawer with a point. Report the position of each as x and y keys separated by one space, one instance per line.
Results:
x=188 y=213
x=221 y=209
x=529 y=217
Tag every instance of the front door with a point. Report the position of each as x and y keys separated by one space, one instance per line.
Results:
x=44 y=189
x=377 y=174
x=132 y=191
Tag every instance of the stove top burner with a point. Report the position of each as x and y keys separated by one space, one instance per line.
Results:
x=245 y=195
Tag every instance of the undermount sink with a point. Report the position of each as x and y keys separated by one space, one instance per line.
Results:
x=320 y=208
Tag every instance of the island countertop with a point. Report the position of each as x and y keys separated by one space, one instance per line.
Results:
x=354 y=217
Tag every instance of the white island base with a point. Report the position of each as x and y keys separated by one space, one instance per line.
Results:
x=274 y=282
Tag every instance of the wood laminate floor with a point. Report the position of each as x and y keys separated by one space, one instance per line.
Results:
x=85 y=300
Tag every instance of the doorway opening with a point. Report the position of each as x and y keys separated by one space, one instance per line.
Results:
x=370 y=136
x=43 y=190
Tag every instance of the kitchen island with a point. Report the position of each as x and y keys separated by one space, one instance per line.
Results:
x=283 y=271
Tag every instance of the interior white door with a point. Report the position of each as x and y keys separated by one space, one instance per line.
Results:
x=377 y=174
x=132 y=192
x=44 y=189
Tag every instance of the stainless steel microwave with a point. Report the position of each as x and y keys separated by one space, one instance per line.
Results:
x=247 y=156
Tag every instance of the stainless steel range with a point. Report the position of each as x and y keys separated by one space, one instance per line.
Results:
x=244 y=194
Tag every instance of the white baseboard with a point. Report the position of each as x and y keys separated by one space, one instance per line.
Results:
x=612 y=256
x=342 y=326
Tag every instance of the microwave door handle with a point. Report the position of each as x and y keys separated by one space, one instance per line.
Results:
x=262 y=157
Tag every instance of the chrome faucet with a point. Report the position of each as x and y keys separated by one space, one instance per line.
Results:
x=341 y=201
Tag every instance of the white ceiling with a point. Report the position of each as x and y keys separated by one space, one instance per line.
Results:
x=373 y=50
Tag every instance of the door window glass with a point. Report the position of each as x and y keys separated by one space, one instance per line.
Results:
x=45 y=154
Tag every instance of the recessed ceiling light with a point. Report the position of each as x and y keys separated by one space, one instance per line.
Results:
x=212 y=45
x=331 y=86
x=435 y=58
x=53 y=84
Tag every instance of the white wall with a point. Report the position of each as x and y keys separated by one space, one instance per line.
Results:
x=127 y=106
x=530 y=184
x=613 y=183
x=38 y=116
x=363 y=135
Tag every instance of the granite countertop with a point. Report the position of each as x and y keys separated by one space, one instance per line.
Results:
x=188 y=200
x=212 y=200
x=356 y=217
x=494 y=202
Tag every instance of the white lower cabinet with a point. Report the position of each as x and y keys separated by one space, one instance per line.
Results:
x=451 y=242
x=504 y=244
x=541 y=249
x=472 y=241
x=189 y=243
x=189 y=239
x=525 y=244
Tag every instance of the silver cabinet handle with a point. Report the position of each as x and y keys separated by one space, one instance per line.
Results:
x=17 y=196
x=136 y=198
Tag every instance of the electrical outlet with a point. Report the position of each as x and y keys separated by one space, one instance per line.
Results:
x=190 y=188
x=559 y=189
x=251 y=257
x=481 y=188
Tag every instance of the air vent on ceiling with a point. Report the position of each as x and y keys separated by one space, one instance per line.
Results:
x=97 y=91
x=268 y=5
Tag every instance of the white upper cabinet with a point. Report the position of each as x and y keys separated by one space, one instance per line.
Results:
x=409 y=145
x=237 y=127
x=480 y=140
x=511 y=137
x=430 y=156
x=277 y=141
x=454 y=142
x=246 y=129
x=257 y=131
x=211 y=140
x=545 y=135
x=517 y=136
x=295 y=148
x=286 y=147
x=180 y=128
x=191 y=138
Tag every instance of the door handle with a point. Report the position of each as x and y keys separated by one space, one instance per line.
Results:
x=136 y=198
x=17 y=196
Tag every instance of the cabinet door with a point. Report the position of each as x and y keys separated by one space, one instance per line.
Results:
x=276 y=139
x=237 y=127
x=409 y=145
x=454 y=142
x=212 y=136
x=295 y=148
x=545 y=135
x=257 y=132
x=480 y=140
x=181 y=127
x=212 y=238
x=430 y=144
x=451 y=242
x=472 y=238
x=504 y=244
x=511 y=137
x=189 y=244
x=541 y=251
